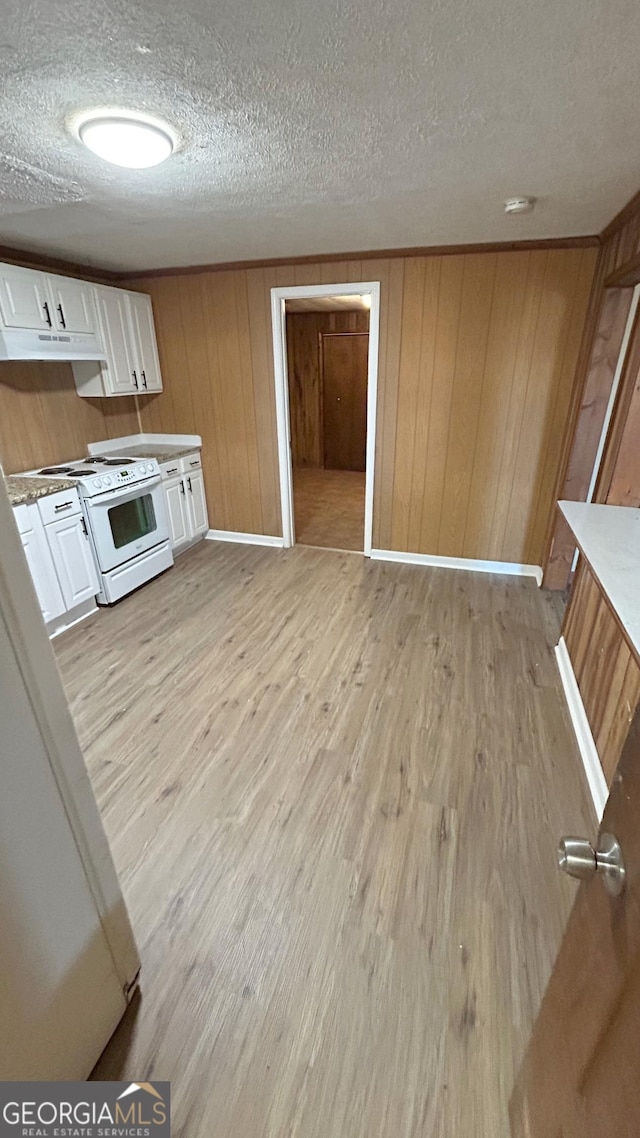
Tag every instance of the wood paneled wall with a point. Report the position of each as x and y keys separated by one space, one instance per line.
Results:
x=44 y=421
x=617 y=270
x=305 y=412
x=477 y=360
x=606 y=669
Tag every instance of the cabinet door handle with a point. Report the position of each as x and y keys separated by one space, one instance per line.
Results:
x=47 y=313
x=135 y=380
x=62 y=506
x=182 y=485
x=84 y=527
x=62 y=319
x=144 y=380
x=190 y=486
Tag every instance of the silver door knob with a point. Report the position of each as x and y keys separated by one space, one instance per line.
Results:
x=577 y=857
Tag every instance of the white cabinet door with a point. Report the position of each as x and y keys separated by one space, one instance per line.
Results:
x=73 y=559
x=73 y=304
x=24 y=298
x=197 y=503
x=177 y=515
x=40 y=562
x=119 y=371
x=144 y=341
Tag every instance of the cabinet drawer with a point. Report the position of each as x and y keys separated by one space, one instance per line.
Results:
x=171 y=469
x=61 y=505
x=190 y=462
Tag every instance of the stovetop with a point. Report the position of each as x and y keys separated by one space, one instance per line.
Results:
x=99 y=474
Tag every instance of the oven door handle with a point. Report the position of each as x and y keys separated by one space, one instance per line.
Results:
x=123 y=492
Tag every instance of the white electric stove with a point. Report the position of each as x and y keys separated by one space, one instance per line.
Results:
x=126 y=518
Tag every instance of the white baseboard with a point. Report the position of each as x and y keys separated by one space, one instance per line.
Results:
x=511 y=568
x=244 y=538
x=68 y=619
x=586 y=743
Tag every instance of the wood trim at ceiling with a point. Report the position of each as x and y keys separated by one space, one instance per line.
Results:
x=49 y=264
x=621 y=218
x=586 y=242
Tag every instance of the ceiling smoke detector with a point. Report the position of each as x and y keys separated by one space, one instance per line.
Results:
x=519 y=205
x=125 y=138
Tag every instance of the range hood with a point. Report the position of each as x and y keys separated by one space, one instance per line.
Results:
x=23 y=344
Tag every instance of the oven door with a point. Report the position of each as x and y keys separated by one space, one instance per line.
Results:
x=126 y=522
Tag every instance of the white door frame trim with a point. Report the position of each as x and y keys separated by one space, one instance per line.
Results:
x=278 y=318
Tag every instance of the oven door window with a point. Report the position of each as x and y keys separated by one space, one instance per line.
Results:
x=132 y=520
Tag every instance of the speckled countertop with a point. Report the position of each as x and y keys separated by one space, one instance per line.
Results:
x=163 y=452
x=23 y=489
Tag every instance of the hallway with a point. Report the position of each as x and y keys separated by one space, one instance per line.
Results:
x=329 y=508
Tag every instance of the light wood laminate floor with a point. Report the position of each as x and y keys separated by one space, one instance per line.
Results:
x=333 y=789
x=329 y=508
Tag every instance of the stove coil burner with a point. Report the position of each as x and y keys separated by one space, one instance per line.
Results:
x=114 y=461
x=57 y=470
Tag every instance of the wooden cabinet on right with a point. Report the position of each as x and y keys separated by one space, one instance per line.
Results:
x=605 y=665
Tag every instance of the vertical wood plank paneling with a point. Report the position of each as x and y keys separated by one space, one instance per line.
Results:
x=477 y=354
x=502 y=496
x=439 y=409
x=44 y=421
x=259 y=307
x=560 y=402
x=392 y=288
x=408 y=387
x=427 y=356
x=495 y=404
x=477 y=297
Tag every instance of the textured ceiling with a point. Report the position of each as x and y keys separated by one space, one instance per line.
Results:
x=313 y=127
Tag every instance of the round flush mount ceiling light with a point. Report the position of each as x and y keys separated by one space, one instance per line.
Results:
x=519 y=205
x=125 y=138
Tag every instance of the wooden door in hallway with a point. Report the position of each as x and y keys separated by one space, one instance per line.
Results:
x=344 y=361
x=579 y=1078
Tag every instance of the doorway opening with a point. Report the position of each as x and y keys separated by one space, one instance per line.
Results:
x=326 y=363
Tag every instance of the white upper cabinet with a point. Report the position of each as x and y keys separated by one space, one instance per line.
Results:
x=25 y=301
x=128 y=335
x=118 y=372
x=144 y=341
x=73 y=304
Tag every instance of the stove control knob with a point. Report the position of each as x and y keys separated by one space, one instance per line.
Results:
x=106 y=481
x=97 y=482
x=142 y=469
x=149 y=468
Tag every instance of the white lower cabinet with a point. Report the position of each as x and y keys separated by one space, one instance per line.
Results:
x=58 y=553
x=73 y=559
x=177 y=513
x=40 y=562
x=196 y=503
x=186 y=502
